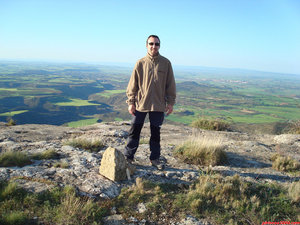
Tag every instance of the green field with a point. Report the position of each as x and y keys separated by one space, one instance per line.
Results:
x=40 y=93
x=82 y=123
x=13 y=113
x=75 y=102
x=109 y=93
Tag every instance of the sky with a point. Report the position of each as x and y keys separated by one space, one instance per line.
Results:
x=260 y=35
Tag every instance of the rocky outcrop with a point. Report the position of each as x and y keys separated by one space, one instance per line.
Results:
x=248 y=155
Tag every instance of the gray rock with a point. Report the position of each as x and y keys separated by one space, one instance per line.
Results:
x=141 y=208
x=114 y=220
x=190 y=220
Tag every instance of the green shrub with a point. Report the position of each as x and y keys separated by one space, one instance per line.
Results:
x=202 y=151
x=90 y=146
x=284 y=163
x=12 y=158
x=211 y=124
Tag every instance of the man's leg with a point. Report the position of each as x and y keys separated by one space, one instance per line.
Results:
x=156 y=120
x=137 y=123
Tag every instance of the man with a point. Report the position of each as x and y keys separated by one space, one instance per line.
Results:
x=151 y=90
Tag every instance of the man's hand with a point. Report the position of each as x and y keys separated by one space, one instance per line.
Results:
x=169 y=109
x=131 y=109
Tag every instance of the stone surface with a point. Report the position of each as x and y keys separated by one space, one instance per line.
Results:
x=249 y=156
x=113 y=165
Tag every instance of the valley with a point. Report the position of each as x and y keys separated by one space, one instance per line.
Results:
x=83 y=94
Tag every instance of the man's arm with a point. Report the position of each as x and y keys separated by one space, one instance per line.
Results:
x=170 y=90
x=131 y=91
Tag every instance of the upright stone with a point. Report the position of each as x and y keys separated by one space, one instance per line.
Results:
x=113 y=165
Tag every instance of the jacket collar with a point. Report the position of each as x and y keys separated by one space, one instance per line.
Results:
x=153 y=58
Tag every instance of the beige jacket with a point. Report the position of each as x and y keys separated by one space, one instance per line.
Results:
x=152 y=84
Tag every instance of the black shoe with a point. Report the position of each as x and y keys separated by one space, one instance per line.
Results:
x=129 y=161
x=156 y=163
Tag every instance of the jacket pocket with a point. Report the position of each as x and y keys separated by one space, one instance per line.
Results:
x=161 y=75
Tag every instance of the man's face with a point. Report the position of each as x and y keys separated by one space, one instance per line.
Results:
x=153 y=46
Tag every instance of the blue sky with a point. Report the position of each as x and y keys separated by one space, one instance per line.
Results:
x=249 y=34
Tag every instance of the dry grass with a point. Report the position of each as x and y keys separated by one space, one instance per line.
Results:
x=20 y=159
x=61 y=164
x=202 y=151
x=74 y=210
x=231 y=200
x=48 y=154
x=88 y=145
x=144 y=140
x=294 y=127
x=222 y=200
x=56 y=206
x=11 y=122
x=294 y=191
x=284 y=163
x=12 y=158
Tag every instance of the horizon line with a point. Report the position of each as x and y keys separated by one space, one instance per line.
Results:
x=131 y=65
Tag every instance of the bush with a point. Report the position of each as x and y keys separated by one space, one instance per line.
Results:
x=202 y=151
x=211 y=124
x=284 y=163
x=90 y=146
x=12 y=158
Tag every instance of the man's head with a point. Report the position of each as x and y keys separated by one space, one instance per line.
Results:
x=153 y=45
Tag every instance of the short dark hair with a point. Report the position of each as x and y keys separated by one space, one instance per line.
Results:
x=154 y=36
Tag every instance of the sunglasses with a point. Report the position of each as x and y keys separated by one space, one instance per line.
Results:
x=156 y=43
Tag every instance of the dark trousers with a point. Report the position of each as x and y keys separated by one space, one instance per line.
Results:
x=137 y=123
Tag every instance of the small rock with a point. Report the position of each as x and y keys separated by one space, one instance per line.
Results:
x=170 y=174
x=114 y=220
x=113 y=165
x=141 y=208
x=190 y=220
